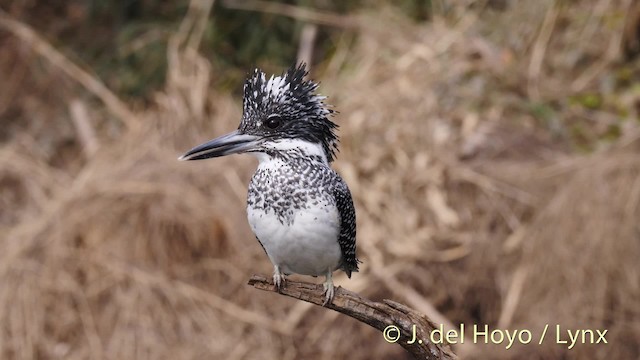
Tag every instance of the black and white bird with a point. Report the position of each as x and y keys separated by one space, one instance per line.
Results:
x=299 y=208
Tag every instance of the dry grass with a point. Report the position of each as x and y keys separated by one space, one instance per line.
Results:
x=468 y=211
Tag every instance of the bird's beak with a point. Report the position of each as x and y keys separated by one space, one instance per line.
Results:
x=231 y=143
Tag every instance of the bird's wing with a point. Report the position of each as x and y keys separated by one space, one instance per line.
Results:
x=347 y=237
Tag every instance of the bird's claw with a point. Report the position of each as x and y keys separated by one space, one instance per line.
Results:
x=278 y=280
x=328 y=295
x=329 y=291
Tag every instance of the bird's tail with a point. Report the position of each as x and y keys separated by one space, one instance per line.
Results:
x=349 y=267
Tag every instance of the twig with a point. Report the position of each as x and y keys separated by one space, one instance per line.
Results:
x=630 y=37
x=494 y=185
x=189 y=72
x=307 y=42
x=539 y=50
x=55 y=57
x=296 y=12
x=513 y=297
x=611 y=55
x=376 y=314
x=86 y=133
x=142 y=41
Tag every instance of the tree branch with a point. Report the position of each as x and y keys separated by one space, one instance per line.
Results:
x=376 y=314
x=295 y=12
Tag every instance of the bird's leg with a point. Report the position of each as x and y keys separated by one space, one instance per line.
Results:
x=278 y=278
x=328 y=288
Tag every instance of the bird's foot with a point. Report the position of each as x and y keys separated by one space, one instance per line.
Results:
x=329 y=291
x=278 y=279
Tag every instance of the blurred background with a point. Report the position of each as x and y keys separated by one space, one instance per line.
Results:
x=491 y=147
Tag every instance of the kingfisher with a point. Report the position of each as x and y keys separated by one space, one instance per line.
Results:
x=298 y=207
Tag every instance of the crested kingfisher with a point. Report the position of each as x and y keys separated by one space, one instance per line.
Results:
x=298 y=207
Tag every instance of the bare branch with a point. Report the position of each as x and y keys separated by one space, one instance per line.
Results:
x=296 y=12
x=86 y=133
x=307 y=43
x=376 y=314
x=540 y=49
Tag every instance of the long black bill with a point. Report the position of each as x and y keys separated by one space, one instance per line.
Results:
x=231 y=143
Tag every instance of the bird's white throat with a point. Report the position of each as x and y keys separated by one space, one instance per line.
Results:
x=292 y=148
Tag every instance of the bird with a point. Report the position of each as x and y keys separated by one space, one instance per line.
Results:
x=299 y=208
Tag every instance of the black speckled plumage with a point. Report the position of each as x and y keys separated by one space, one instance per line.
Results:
x=303 y=112
x=347 y=237
x=300 y=209
x=305 y=182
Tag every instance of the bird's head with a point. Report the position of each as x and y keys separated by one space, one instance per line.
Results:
x=280 y=114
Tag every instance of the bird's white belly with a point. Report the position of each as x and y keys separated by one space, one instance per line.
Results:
x=308 y=246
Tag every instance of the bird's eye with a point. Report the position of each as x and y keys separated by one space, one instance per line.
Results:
x=273 y=122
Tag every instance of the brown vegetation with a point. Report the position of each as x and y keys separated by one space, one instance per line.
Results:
x=477 y=147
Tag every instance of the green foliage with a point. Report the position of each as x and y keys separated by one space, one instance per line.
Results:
x=542 y=111
x=589 y=101
x=125 y=41
x=418 y=10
